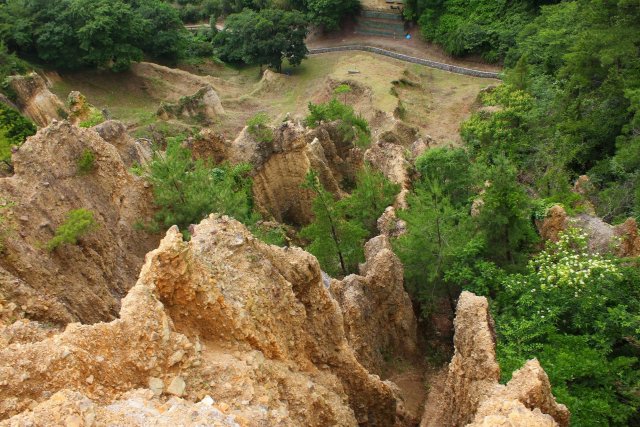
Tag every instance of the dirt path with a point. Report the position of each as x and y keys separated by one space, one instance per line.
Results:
x=434 y=406
x=416 y=46
x=408 y=58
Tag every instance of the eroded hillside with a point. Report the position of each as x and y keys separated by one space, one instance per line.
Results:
x=220 y=327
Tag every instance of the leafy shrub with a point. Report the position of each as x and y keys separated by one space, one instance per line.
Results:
x=577 y=312
x=79 y=222
x=353 y=127
x=86 y=162
x=258 y=127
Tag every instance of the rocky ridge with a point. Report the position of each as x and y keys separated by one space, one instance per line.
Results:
x=224 y=315
x=471 y=393
x=377 y=312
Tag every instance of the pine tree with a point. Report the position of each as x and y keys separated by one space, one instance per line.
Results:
x=436 y=232
x=336 y=241
x=505 y=215
x=186 y=191
x=373 y=193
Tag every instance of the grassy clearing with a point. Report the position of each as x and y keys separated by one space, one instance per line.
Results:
x=440 y=102
x=122 y=95
x=437 y=104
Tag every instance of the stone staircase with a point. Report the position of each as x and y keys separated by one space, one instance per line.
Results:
x=383 y=23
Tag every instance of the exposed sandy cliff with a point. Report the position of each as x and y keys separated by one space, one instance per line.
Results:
x=35 y=100
x=471 y=393
x=224 y=315
x=75 y=282
x=281 y=165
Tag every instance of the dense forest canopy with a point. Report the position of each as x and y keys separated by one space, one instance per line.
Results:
x=569 y=106
x=72 y=34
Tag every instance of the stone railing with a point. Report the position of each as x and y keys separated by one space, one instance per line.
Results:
x=426 y=62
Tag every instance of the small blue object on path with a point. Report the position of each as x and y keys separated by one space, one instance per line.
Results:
x=408 y=37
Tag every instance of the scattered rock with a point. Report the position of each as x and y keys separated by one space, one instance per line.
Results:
x=177 y=386
x=156 y=386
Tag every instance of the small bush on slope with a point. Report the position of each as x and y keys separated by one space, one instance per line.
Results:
x=258 y=127
x=354 y=128
x=79 y=222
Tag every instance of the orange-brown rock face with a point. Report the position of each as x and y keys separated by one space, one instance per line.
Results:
x=281 y=166
x=82 y=282
x=35 y=100
x=622 y=240
x=553 y=224
x=472 y=394
x=629 y=239
x=250 y=325
x=377 y=312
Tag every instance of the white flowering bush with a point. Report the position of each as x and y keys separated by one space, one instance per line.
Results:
x=569 y=264
x=578 y=313
x=565 y=282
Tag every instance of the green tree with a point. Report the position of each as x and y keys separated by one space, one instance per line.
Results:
x=100 y=33
x=186 y=190
x=505 y=215
x=266 y=37
x=336 y=241
x=436 y=232
x=10 y=64
x=342 y=89
x=71 y=34
x=372 y=195
x=328 y=14
x=451 y=168
x=485 y=27
x=14 y=130
x=164 y=35
x=78 y=223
